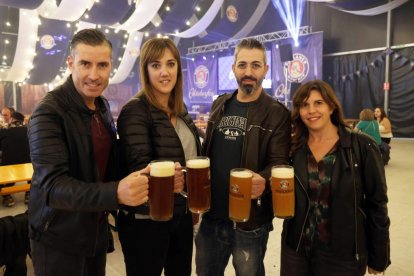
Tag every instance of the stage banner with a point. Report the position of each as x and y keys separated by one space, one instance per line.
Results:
x=292 y=68
x=201 y=86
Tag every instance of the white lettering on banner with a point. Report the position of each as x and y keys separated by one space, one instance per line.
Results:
x=200 y=93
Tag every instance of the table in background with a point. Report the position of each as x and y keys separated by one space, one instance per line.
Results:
x=15 y=173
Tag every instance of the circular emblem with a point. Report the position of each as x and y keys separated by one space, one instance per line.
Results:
x=284 y=184
x=134 y=52
x=235 y=188
x=201 y=75
x=232 y=14
x=298 y=68
x=47 y=42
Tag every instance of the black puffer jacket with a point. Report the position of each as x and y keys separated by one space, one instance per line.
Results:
x=266 y=144
x=66 y=200
x=147 y=134
x=358 y=208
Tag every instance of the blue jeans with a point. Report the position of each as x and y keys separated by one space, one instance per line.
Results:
x=217 y=239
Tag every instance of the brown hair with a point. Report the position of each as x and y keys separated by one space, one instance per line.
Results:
x=152 y=50
x=383 y=114
x=300 y=131
x=250 y=43
x=366 y=115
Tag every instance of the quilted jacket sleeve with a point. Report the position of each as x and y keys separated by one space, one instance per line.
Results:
x=134 y=128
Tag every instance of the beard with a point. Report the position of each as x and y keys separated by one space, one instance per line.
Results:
x=249 y=88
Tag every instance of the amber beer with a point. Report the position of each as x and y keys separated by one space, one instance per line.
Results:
x=283 y=191
x=198 y=184
x=161 y=190
x=240 y=194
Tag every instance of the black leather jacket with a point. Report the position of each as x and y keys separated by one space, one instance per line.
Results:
x=266 y=144
x=146 y=134
x=358 y=208
x=66 y=199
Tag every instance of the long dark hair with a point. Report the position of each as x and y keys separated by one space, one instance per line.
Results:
x=383 y=115
x=300 y=131
x=152 y=50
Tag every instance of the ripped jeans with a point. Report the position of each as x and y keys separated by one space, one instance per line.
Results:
x=217 y=239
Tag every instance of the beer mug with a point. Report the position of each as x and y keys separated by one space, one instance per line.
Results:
x=283 y=191
x=161 y=190
x=198 y=184
x=240 y=191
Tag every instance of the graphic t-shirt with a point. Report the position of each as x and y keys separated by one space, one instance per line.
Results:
x=226 y=150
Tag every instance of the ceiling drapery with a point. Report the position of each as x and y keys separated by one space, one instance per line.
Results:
x=203 y=23
x=256 y=16
x=149 y=17
x=131 y=54
x=21 y=4
x=376 y=10
x=51 y=50
x=25 y=48
x=103 y=12
x=145 y=10
x=68 y=10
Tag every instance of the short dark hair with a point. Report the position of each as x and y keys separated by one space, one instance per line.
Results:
x=250 y=43
x=91 y=37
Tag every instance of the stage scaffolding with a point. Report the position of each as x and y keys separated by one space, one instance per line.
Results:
x=223 y=45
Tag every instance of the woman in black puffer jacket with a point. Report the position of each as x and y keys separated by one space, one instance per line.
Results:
x=156 y=125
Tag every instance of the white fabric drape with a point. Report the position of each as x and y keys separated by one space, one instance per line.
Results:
x=145 y=10
x=204 y=22
x=131 y=54
x=68 y=10
x=375 y=11
x=252 y=22
x=25 y=47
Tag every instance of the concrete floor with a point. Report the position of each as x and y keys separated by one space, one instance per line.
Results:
x=400 y=179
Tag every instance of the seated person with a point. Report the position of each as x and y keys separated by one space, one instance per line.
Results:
x=384 y=125
x=369 y=125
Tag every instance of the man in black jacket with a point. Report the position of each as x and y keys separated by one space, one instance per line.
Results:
x=247 y=129
x=72 y=144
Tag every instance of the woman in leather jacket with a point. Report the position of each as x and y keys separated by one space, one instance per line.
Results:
x=341 y=225
x=156 y=125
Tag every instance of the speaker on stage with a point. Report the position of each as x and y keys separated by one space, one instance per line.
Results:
x=286 y=52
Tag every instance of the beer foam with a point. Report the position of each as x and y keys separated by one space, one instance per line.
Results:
x=162 y=168
x=242 y=174
x=282 y=172
x=198 y=163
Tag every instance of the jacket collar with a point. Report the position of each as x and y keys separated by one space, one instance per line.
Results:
x=344 y=136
